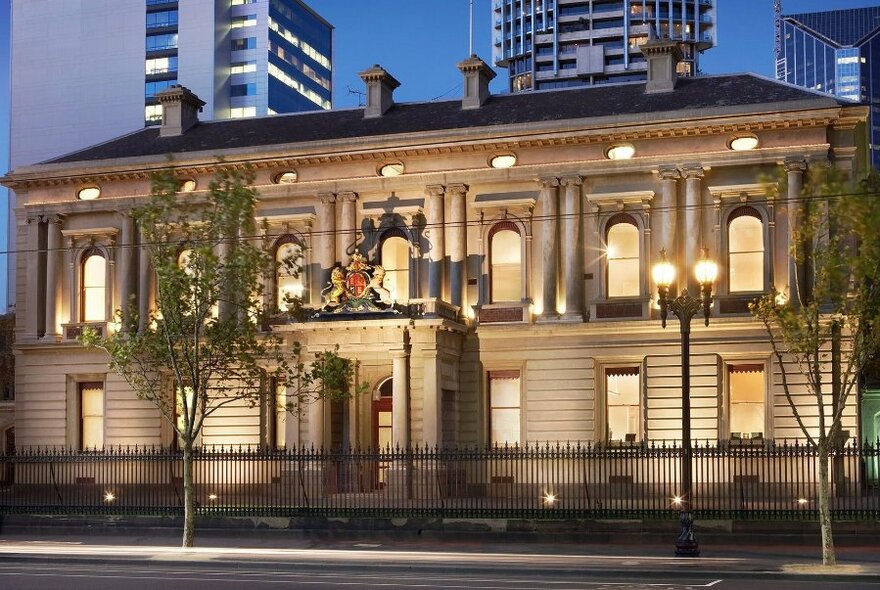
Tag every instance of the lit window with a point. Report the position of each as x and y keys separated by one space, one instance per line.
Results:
x=393 y=169
x=288 y=280
x=505 y=254
x=290 y=81
x=249 y=20
x=746 y=389
x=88 y=193
x=286 y=177
x=243 y=67
x=187 y=185
x=153 y=113
x=503 y=161
x=623 y=151
x=242 y=112
x=277 y=419
x=94 y=292
x=91 y=416
x=395 y=261
x=161 y=65
x=504 y=408
x=624 y=263
x=623 y=403
x=746 y=251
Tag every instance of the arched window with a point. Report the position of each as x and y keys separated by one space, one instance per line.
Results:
x=505 y=255
x=394 y=255
x=745 y=247
x=624 y=256
x=94 y=287
x=288 y=273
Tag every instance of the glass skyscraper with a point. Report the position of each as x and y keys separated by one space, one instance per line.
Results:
x=557 y=43
x=837 y=52
x=277 y=55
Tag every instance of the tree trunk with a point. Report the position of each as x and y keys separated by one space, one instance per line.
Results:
x=828 y=555
x=189 y=511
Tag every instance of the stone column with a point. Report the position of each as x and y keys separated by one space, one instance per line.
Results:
x=400 y=398
x=437 y=242
x=431 y=394
x=124 y=276
x=457 y=241
x=693 y=235
x=348 y=227
x=549 y=199
x=145 y=283
x=326 y=254
x=225 y=308
x=572 y=254
x=315 y=412
x=53 y=259
x=665 y=230
x=797 y=272
x=32 y=280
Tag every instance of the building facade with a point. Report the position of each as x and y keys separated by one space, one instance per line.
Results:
x=244 y=58
x=516 y=233
x=836 y=52
x=544 y=44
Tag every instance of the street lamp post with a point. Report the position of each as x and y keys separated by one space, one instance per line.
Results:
x=685 y=307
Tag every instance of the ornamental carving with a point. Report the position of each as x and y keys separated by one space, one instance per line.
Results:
x=357 y=288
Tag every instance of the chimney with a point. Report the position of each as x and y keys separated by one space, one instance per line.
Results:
x=380 y=90
x=477 y=76
x=663 y=56
x=180 y=110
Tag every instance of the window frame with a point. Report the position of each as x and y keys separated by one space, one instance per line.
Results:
x=601 y=410
x=73 y=402
x=613 y=220
x=86 y=254
x=398 y=233
x=508 y=372
x=731 y=216
x=725 y=430
x=289 y=238
x=495 y=229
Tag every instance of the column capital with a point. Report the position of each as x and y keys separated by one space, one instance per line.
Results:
x=692 y=171
x=435 y=190
x=53 y=218
x=347 y=196
x=457 y=189
x=795 y=164
x=327 y=198
x=668 y=173
x=548 y=181
x=573 y=180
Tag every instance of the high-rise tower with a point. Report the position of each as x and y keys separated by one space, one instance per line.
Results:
x=558 y=43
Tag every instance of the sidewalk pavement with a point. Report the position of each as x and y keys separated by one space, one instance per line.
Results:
x=284 y=553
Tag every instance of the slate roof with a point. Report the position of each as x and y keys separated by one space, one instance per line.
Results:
x=690 y=94
x=842 y=27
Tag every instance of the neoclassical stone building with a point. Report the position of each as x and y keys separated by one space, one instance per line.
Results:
x=516 y=232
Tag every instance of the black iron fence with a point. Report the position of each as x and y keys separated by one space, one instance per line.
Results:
x=533 y=481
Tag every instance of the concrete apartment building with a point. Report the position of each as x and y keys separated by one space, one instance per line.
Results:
x=517 y=231
x=545 y=44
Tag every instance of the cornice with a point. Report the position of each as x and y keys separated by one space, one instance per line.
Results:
x=454 y=142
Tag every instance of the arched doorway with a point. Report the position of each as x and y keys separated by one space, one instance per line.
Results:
x=382 y=412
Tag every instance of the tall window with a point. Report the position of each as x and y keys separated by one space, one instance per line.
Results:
x=623 y=403
x=288 y=280
x=504 y=408
x=746 y=394
x=505 y=254
x=624 y=263
x=745 y=244
x=395 y=261
x=276 y=418
x=94 y=287
x=91 y=416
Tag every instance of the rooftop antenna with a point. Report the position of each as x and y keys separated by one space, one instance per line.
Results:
x=360 y=94
x=471 y=30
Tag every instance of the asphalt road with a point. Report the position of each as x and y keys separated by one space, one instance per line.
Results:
x=199 y=576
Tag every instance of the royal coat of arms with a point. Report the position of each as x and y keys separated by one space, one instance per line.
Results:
x=356 y=288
